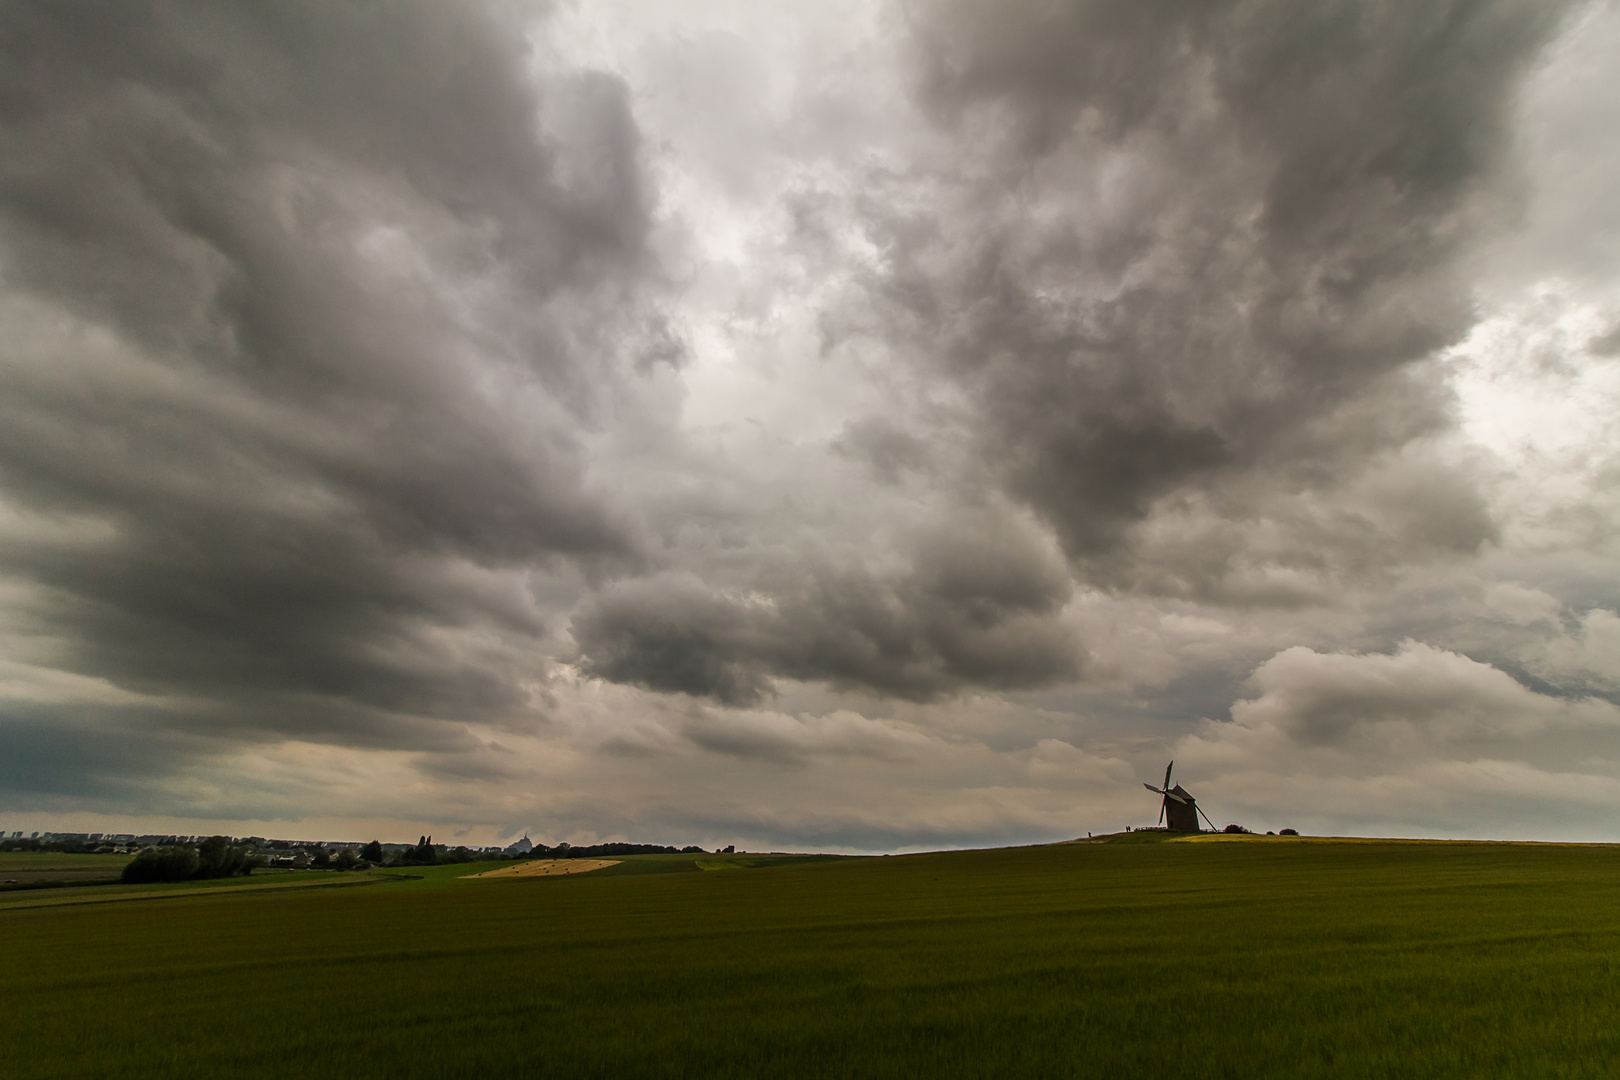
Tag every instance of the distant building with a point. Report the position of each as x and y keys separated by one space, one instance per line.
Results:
x=522 y=847
x=1179 y=810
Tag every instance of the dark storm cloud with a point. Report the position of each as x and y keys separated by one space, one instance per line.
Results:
x=1200 y=248
x=304 y=312
x=976 y=607
x=78 y=756
x=1188 y=265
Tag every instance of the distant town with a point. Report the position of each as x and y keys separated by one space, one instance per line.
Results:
x=322 y=854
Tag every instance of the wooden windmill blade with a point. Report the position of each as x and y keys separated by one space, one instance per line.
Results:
x=1162 y=802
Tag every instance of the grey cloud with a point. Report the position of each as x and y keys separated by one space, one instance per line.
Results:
x=1416 y=741
x=775 y=737
x=1186 y=268
x=1569 y=163
x=978 y=605
x=672 y=635
x=72 y=757
x=1419 y=718
x=1179 y=239
x=1607 y=344
x=305 y=317
x=887 y=450
x=138 y=131
x=1578 y=660
x=1250 y=546
x=1326 y=699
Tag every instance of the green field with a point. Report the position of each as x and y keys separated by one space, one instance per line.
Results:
x=52 y=879
x=1259 y=958
x=34 y=869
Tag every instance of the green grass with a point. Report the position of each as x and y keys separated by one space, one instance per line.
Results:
x=31 y=871
x=73 y=895
x=56 y=860
x=1150 y=959
x=63 y=889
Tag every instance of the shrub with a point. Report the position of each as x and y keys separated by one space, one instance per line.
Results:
x=161 y=864
x=214 y=857
x=1289 y=832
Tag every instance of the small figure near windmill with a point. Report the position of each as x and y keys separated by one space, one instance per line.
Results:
x=1179 y=811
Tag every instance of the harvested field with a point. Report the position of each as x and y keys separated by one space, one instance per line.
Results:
x=548 y=867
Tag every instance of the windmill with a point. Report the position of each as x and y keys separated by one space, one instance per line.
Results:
x=1178 y=806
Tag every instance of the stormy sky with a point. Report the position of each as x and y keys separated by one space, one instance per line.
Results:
x=857 y=426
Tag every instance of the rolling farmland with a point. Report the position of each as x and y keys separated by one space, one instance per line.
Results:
x=1197 y=958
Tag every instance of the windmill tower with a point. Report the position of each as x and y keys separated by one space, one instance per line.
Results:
x=1179 y=810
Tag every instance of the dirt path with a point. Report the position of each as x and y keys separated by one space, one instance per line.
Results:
x=543 y=867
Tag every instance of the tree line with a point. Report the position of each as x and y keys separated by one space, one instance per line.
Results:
x=215 y=857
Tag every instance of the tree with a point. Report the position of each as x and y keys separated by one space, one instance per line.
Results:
x=372 y=852
x=218 y=857
x=175 y=863
x=420 y=855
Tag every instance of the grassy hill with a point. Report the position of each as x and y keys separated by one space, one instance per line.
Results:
x=1263 y=957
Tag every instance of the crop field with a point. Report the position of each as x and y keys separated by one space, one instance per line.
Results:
x=1142 y=958
x=31 y=869
x=53 y=879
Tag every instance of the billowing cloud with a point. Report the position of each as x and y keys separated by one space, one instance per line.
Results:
x=1186 y=315
x=1420 y=733
x=1186 y=262
x=1387 y=702
x=299 y=336
x=977 y=606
